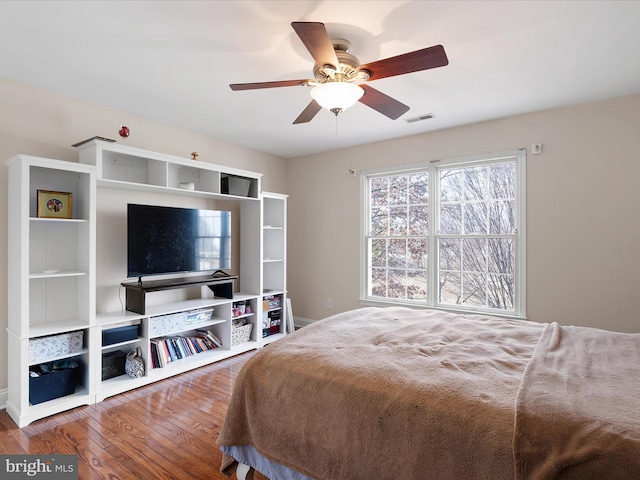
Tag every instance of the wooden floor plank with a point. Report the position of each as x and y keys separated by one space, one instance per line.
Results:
x=166 y=430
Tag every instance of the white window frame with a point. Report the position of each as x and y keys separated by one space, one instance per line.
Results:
x=433 y=167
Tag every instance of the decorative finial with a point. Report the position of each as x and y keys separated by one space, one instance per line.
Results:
x=194 y=155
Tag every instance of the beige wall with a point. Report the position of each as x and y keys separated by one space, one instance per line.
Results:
x=583 y=210
x=39 y=123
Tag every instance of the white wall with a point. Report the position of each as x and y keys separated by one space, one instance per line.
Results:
x=583 y=204
x=36 y=122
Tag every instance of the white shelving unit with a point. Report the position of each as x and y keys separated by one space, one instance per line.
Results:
x=121 y=166
x=52 y=283
x=51 y=278
x=274 y=265
x=151 y=326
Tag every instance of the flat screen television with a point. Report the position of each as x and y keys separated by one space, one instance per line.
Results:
x=166 y=240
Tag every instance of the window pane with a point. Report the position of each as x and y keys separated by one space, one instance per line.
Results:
x=450 y=254
x=417 y=284
x=474 y=255
x=397 y=253
x=379 y=191
x=397 y=284
x=417 y=248
x=502 y=255
x=418 y=219
x=419 y=188
x=501 y=292
x=450 y=186
x=475 y=218
x=398 y=220
x=475 y=183
x=451 y=218
x=379 y=222
x=378 y=285
x=474 y=289
x=450 y=288
x=503 y=180
x=502 y=217
x=398 y=187
x=378 y=253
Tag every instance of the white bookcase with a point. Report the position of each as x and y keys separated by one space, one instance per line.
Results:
x=51 y=279
x=52 y=271
x=168 y=321
x=274 y=265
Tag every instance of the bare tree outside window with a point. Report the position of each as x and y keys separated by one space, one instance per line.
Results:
x=476 y=255
x=473 y=237
x=399 y=223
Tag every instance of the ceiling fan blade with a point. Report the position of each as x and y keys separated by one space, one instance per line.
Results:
x=430 y=57
x=384 y=104
x=315 y=38
x=281 y=83
x=308 y=113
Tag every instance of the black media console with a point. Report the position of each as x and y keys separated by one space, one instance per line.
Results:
x=136 y=291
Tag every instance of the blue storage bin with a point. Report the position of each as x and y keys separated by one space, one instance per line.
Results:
x=58 y=383
x=119 y=334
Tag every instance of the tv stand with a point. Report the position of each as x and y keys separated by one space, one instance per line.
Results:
x=136 y=291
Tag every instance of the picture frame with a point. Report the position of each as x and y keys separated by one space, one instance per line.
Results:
x=52 y=204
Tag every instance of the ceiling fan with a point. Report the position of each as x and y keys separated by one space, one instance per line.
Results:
x=339 y=79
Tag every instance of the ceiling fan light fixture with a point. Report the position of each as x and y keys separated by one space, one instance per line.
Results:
x=337 y=96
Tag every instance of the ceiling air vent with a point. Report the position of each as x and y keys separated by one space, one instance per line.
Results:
x=419 y=118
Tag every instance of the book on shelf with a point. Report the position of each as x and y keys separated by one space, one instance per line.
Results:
x=165 y=350
x=210 y=336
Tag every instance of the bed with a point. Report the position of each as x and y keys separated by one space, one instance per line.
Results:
x=390 y=393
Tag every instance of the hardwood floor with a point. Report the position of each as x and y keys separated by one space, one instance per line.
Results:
x=166 y=430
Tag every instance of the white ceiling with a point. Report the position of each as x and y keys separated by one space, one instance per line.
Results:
x=173 y=61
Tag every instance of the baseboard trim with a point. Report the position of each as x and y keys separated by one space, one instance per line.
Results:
x=3 y=399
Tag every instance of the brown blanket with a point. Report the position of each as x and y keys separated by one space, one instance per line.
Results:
x=386 y=394
x=578 y=410
x=399 y=393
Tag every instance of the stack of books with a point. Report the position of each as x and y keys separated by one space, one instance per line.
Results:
x=165 y=350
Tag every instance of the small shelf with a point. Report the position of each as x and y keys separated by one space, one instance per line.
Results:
x=190 y=362
x=57 y=220
x=175 y=307
x=267 y=292
x=122 y=344
x=121 y=381
x=57 y=274
x=59 y=326
x=80 y=397
x=190 y=327
x=273 y=338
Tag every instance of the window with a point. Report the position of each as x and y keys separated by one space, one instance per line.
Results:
x=449 y=234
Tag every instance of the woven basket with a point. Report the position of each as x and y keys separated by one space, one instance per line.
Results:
x=240 y=335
